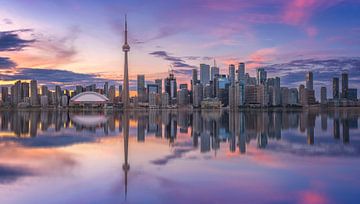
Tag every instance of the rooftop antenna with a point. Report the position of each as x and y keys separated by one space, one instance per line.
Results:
x=214 y=62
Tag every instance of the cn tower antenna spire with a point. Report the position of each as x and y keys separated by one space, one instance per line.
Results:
x=126 y=49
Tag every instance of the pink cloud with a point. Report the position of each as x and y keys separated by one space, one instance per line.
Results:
x=310 y=197
x=311 y=31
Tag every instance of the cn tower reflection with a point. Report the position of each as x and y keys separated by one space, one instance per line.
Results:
x=126 y=165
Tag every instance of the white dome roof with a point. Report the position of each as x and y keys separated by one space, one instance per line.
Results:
x=89 y=97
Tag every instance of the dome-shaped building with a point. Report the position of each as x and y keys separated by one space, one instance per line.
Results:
x=89 y=98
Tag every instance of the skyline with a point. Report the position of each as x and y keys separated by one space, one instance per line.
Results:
x=283 y=37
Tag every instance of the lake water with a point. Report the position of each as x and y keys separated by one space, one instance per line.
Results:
x=180 y=157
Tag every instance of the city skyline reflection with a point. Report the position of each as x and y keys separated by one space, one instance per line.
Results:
x=207 y=129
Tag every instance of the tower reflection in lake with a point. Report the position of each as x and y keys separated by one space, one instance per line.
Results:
x=207 y=129
x=180 y=156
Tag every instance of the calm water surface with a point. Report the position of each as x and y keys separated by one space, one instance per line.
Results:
x=180 y=157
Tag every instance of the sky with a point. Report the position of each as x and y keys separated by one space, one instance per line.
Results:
x=68 y=42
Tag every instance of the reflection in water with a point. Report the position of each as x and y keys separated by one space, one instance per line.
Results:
x=193 y=139
x=207 y=129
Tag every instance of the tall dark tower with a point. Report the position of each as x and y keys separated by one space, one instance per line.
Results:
x=126 y=49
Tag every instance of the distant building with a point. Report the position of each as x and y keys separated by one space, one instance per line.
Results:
x=171 y=88
x=112 y=94
x=352 y=94
x=232 y=74
x=310 y=81
x=106 y=89
x=336 y=94
x=183 y=97
x=25 y=90
x=159 y=83
x=165 y=100
x=44 y=90
x=285 y=96
x=261 y=76
x=34 y=97
x=344 y=85
x=251 y=94
x=204 y=74
x=293 y=96
x=214 y=71
x=241 y=71
x=141 y=90
x=5 y=94
x=198 y=95
x=323 y=95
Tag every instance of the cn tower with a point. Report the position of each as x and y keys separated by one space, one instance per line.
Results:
x=126 y=49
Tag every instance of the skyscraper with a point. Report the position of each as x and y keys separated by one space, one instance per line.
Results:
x=336 y=94
x=4 y=94
x=232 y=74
x=310 y=81
x=204 y=74
x=241 y=71
x=171 y=88
x=141 y=90
x=344 y=85
x=214 y=71
x=323 y=97
x=261 y=76
x=34 y=93
x=126 y=49
x=106 y=89
x=159 y=83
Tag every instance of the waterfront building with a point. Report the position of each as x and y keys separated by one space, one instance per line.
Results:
x=112 y=94
x=44 y=101
x=251 y=94
x=58 y=95
x=183 y=97
x=106 y=89
x=352 y=94
x=204 y=74
x=241 y=71
x=34 y=97
x=232 y=74
x=336 y=94
x=158 y=82
x=141 y=90
x=165 y=100
x=284 y=96
x=222 y=89
x=261 y=76
x=64 y=101
x=323 y=95
x=171 y=88
x=44 y=90
x=154 y=100
x=214 y=71
x=293 y=96
x=310 y=81
x=25 y=90
x=198 y=95
x=5 y=94
x=208 y=91
x=344 y=85
x=274 y=91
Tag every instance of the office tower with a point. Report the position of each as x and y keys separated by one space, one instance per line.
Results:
x=198 y=95
x=25 y=90
x=232 y=74
x=352 y=94
x=44 y=101
x=159 y=83
x=141 y=90
x=34 y=93
x=120 y=91
x=302 y=95
x=336 y=94
x=78 y=89
x=165 y=99
x=323 y=97
x=310 y=81
x=183 y=97
x=171 y=88
x=208 y=91
x=344 y=85
x=293 y=96
x=239 y=94
x=222 y=89
x=183 y=86
x=58 y=95
x=241 y=71
x=126 y=49
x=152 y=89
x=204 y=74
x=44 y=90
x=261 y=76
x=64 y=100
x=284 y=96
x=112 y=93
x=232 y=100
x=4 y=94
x=106 y=89
x=214 y=71
x=194 y=76
x=274 y=91
x=16 y=93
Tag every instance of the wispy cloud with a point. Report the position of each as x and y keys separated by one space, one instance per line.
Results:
x=11 y=41
x=175 y=61
x=6 y=63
